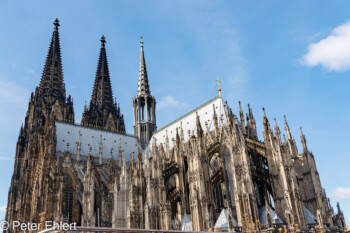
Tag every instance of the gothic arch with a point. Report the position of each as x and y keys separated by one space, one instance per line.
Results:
x=70 y=205
x=98 y=195
x=227 y=163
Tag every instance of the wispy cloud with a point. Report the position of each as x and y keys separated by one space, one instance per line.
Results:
x=30 y=71
x=341 y=193
x=12 y=93
x=170 y=101
x=3 y=158
x=3 y=208
x=332 y=52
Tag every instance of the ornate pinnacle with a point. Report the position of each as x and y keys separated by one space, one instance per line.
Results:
x=141 y=42
x=103 y=41
x=57 y=24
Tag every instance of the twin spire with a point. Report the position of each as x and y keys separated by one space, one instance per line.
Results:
x=102 y=96
x=52 y=85
x=103 y=111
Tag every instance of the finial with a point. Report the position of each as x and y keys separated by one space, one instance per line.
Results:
x=103 y=41
x=264 y=112
x=219 y=89
x=276 y=126
x=141 y=42
x=85 y=107
x=57 y=24
x=301 y=131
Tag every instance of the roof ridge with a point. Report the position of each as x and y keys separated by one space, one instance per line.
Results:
x=94 y=128
x=186 y=114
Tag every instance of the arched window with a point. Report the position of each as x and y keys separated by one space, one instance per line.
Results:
x=67 y=198
x=218 y=198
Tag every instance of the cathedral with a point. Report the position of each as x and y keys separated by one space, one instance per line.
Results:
x=205 y=170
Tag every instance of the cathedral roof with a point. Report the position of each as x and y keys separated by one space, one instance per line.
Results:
x=91 y=137
x=188 y=121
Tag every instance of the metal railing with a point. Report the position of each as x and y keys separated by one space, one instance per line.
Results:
x=120 y=230
x=235 y=229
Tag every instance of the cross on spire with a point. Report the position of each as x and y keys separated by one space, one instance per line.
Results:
x=141 y=42
x=103 y=41
x=219 y=89
x=57 y=24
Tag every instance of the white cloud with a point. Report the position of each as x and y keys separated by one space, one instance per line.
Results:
x=341 y=193
x=333 y=52
x=3 y=208
x=170 y=101
x=12 y=93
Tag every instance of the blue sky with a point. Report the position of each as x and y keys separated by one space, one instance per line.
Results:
x=291 y=57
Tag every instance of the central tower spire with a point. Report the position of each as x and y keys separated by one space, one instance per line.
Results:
x=144 y=105
x=103 y=111
x=143 y=86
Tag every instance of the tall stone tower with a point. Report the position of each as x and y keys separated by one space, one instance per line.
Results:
x=34 y=175
x=144 y=105
x=103 y=111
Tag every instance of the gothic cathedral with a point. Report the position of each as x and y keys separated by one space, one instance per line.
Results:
x=207 y=169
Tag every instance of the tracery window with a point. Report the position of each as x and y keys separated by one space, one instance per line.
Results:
x=214 y=165
x=67 y=198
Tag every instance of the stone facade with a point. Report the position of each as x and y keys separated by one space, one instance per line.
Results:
x=206 y=162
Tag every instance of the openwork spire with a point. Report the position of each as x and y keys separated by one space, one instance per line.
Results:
x=103 y=111
x=143 y=86
x=52 y=85
x=102 y=96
